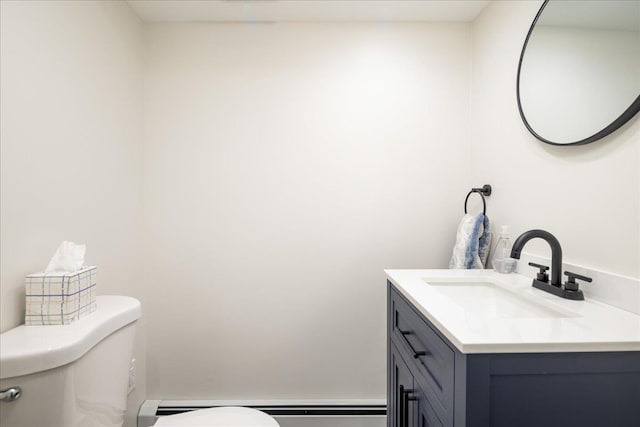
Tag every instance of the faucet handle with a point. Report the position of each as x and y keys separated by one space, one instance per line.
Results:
x=571 y=284
x=542 y=274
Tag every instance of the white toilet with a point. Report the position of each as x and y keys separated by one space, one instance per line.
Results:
x=77 y=375
x=230 y=416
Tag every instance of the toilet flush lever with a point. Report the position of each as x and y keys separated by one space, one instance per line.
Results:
x=10 y=394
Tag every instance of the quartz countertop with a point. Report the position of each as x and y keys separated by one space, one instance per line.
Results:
x=510 y=316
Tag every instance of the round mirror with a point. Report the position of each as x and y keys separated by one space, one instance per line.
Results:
x=579 y=71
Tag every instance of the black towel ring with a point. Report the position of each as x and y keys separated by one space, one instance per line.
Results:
x=484 y=191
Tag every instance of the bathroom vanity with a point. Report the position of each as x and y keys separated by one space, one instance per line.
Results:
x=476 y=348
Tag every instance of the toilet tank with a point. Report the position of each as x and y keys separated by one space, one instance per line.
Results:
x=73 y=375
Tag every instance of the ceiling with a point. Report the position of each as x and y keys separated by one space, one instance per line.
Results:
x=307 y=10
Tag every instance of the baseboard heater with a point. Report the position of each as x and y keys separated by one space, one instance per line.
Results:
x=341 y=413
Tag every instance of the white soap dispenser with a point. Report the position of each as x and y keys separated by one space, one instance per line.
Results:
x=501 y=260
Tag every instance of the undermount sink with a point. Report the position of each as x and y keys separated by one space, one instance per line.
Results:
x=487 y=298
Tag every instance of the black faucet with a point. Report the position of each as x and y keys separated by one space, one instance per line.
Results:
x=556 y=252
x=570 y=290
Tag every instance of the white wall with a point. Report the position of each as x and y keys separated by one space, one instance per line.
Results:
x=71 y=152
x=588 y=196
x=286 y=165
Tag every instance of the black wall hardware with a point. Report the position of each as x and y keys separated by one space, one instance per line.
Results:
x=484 y=191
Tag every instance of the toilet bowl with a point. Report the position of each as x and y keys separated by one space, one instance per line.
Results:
x=230 y=416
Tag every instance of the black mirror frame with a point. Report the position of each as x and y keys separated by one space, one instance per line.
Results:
x=612 y=127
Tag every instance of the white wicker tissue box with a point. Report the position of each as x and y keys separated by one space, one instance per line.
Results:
x=59 y=298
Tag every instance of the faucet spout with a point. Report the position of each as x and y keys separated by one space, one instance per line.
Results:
x=556 y=252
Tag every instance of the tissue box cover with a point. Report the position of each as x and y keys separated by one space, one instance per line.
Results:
x=59 y=298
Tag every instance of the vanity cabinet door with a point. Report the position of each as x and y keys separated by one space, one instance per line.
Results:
x=402 y=406
x=408 y=401
x=426 y=415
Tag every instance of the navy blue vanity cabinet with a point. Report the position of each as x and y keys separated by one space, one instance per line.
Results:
x=431 y=383
x=408 y=404
x=400 y=382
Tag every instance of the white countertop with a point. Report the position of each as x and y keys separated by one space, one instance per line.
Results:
x=533 y=321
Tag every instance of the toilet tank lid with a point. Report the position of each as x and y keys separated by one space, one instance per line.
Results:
x=28 y=349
